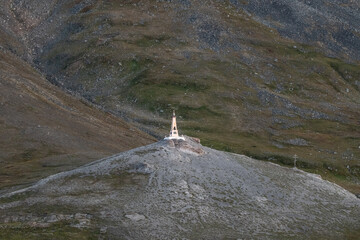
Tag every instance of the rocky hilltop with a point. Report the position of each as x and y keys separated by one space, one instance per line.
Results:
x=180 y=190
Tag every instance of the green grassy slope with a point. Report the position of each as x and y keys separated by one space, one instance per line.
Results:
x=236 y=84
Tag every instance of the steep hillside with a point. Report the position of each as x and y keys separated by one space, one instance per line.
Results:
x=268 y=79
x=44 y=131
x=180 y=190
x=333 y=26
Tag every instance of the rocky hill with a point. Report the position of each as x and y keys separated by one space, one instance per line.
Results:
x=180 y=190
x=268 y=79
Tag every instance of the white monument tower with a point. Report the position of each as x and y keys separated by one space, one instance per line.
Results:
x=174 y=132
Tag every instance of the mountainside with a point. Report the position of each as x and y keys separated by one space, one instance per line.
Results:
x=268 y=79
x=332 y=25
x=44 y=130
x=180 y=190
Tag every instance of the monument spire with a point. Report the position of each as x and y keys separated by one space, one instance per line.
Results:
x=174 y=132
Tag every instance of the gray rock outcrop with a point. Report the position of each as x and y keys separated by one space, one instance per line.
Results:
x=182 y=190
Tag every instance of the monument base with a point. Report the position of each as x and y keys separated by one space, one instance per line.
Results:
x=174 y=138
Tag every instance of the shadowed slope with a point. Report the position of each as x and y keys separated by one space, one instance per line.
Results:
x=44 y=130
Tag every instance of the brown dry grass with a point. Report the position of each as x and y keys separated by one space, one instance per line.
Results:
x=44 y=130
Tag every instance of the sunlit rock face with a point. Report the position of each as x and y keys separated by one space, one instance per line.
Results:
x=180 y=189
